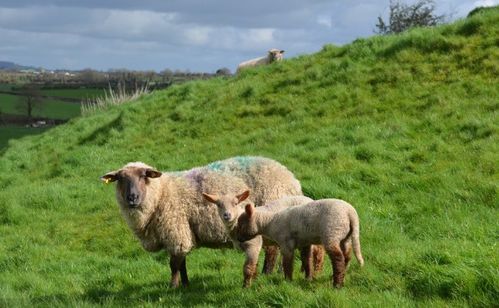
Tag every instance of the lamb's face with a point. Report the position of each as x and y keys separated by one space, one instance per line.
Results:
x=276 y=55
x=132 y=181
x=228 y=206
x=246 y=225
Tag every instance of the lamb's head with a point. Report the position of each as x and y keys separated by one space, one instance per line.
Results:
x=275 y=55
x=228 y=205
x=246 y=224
x=132 y=181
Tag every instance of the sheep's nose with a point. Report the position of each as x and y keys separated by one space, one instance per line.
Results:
x=132 y=198
x=227 y=216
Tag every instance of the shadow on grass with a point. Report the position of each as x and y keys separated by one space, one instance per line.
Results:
x=9 y=132
x=100 y=135
x=157 y=292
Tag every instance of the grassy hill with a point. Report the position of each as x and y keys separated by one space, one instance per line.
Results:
x=404 y=127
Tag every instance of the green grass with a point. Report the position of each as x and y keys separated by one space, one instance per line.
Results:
x=404 y=127
x=8 y=132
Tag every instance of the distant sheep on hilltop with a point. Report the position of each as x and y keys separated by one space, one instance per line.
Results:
x=272 y=56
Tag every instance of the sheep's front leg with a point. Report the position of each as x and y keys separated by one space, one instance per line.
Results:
x=183 y=273
x=287 y=263
x=306 y=261
x=252 y=250
x=179 y=271
x=250 y=265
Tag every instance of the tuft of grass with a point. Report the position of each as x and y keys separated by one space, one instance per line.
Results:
x=112 y=97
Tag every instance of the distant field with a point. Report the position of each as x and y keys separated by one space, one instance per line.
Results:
x=75 y=93
x=50 y=108
x=5 y=87
x=53 y=109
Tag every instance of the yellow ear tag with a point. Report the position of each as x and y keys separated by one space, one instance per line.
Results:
x=107 y=181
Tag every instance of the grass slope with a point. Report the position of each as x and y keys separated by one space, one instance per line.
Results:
x=404 y=127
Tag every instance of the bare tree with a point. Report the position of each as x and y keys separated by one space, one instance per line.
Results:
x=31 y=100
x=404 y=16
x=223 y=72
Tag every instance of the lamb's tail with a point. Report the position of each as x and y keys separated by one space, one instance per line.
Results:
x=354 y=225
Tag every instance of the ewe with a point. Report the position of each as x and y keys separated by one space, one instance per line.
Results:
x=167 y=210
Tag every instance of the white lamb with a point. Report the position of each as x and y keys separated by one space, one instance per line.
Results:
x=330 y=222
x=231 y=206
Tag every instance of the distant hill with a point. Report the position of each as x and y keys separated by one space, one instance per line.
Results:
x=11 y=66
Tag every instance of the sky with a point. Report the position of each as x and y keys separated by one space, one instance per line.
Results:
x=193 y=35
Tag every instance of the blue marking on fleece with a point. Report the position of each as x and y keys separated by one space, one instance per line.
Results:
x=243 y=162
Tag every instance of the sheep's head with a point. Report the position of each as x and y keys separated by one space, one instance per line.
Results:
x=228 y=205
x=132 y=181
x=276 y=55
x=246 y=224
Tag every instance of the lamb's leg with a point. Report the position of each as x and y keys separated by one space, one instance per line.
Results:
x=252 y=250
x=178 y=268
x=338 y=262
x=306 y=261
x=346 y=248
x=287 y=263
x=271 y=253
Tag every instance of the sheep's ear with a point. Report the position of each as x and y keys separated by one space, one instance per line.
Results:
x=243 y=196
x=249 y=209
x=210 y=198
x=281 y=52
x=110 y=177
x=151 y=173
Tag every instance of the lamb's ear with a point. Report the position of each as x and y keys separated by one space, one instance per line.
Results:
x=243 y=196
x=151 y=173
x=210 y=198
x=281 y=52
x=249 y=209
x=110 y=177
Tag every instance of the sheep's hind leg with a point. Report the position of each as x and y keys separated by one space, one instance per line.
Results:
x=346 y=248
x=318 y=258
x=271 y=253
x=338 y=262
